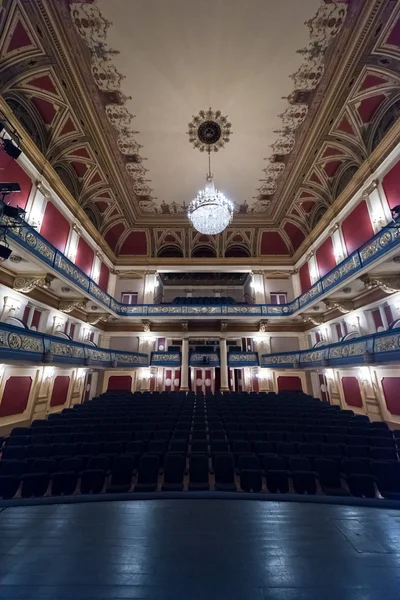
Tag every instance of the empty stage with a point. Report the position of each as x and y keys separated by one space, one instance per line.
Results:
x=199 y=549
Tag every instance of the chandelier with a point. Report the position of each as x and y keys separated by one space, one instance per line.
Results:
x=210 y=212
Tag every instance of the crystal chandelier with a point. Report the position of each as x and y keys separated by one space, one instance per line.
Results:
x=210 y=212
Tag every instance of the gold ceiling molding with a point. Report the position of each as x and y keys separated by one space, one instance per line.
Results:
x=324 y=27
x=92 y=28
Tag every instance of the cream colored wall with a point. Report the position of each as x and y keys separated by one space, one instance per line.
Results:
x=272 y=286
x=284 y=344
x=127 y=343
x=129 y=286
x=38 y=406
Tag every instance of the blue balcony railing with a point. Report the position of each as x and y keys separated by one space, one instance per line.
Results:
x=383 y=347
x=20 y=344
x=165 y=359
x=242 y=359
x=386 y=240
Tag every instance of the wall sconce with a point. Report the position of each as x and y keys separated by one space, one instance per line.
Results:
x=365 y=375
x=48 y=372
x=80 y=373
x=329 y=374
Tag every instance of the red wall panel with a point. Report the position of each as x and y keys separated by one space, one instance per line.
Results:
x=168 y=380
x=305 y=279
x=391 y=386
x=11 y=172
x=289 y=383
x=351 y=390
x=295 y=234
x=120 y=382
x=272 y=243
x=135 y=243
x=84 y=257
x=60 y=390
x=325 y=257
x=391 y=186
x=104 y=276
x=55 y=227
x=15 y=396
x=357 y=227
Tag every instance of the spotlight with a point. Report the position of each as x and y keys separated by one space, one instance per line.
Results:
x=5 y=252
x=395 y=211
x=9 y=188
x=11 y=149
x=13 y=212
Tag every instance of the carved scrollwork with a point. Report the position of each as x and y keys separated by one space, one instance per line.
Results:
x=262 y=326
x=68 y=306
x=389 y=284
x=224 y=326
x=345 y=306
x=101 y=318
x=314 y=319
x=27 y=284
x=185 y=326
x=146 y=325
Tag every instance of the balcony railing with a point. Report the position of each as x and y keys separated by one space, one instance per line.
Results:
x=20 y=344
x=165 y=359
x=242 y=359
x=387 y=239
x=383 y=347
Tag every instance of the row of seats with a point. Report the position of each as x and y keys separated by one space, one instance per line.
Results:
x=100 y=474
x=254 y=436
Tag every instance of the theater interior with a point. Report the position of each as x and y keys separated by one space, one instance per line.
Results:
x=199 y=299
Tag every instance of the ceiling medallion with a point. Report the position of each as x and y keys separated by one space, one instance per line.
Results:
x=210 y=212
x=209 y=131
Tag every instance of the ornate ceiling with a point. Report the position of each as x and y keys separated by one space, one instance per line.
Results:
x=108 y=106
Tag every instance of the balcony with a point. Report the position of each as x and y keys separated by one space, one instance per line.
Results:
x=18 y=344
x=378 y=247
x=379 y=348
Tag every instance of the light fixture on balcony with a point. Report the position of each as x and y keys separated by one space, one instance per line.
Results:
x=210 y=212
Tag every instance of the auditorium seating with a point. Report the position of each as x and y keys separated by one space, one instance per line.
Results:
x=173 y=442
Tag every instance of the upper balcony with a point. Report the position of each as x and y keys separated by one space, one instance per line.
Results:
x=382 y=246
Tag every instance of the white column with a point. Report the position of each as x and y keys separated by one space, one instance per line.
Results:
x=10 y=307
x=378 y=206
x=146 y=347
x=339 y=247
x=224 y=365
x=303 y=342
x=185 y=366
x=36 y=205
x=72 y=242
x=257 y=284
x=98 y=259
x=313 y=268
x=149 y=287
x=112 y=282
x=296 y=284
x=104 y=341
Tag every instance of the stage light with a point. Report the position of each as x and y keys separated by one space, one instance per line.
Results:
x=5 y=252
x=11 y=149
x=9 y=188
x=395 y=211
x=13 y=212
